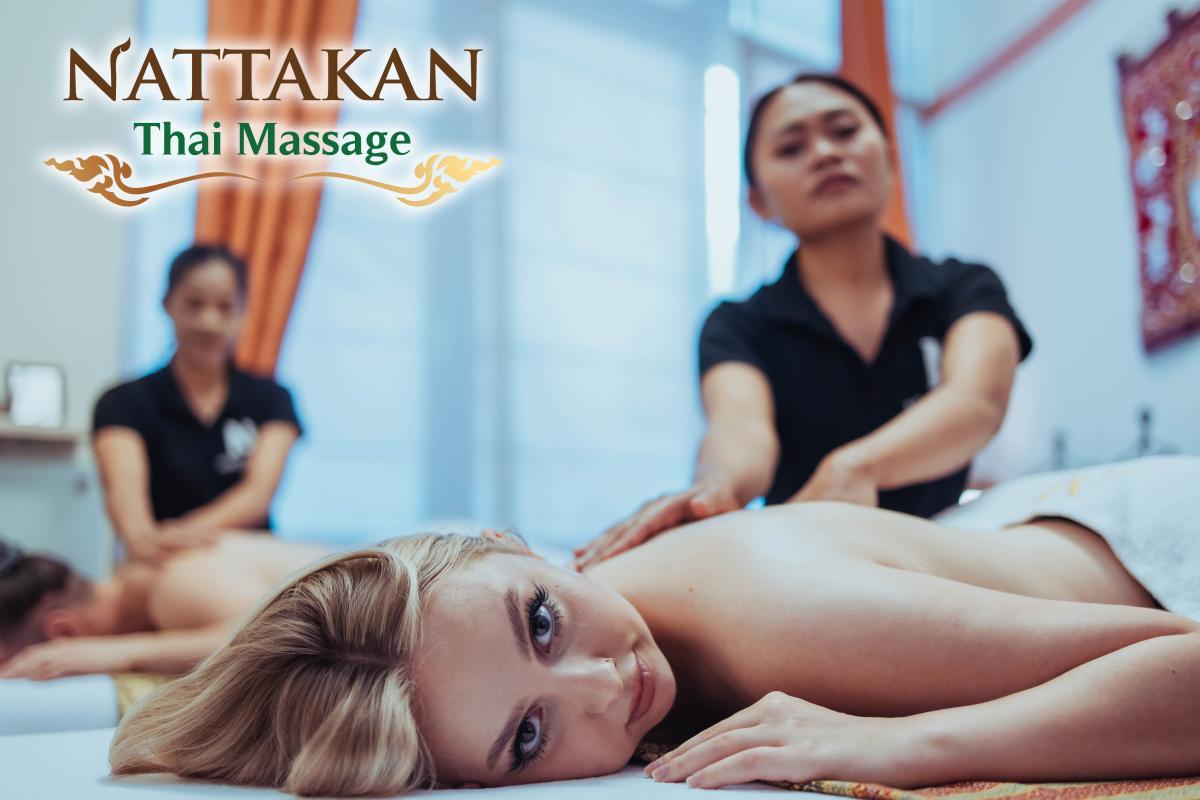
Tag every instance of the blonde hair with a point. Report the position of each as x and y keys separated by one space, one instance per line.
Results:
x=314 y=694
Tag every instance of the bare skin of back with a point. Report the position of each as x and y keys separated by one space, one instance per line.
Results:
x=875 y=613
x=218 y=583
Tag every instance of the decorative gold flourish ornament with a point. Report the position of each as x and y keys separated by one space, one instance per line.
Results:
x=107 y=178
x=438 y=176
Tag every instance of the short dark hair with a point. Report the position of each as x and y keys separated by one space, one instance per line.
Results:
x=25 y=581
x=199 y=254
x=829 y=79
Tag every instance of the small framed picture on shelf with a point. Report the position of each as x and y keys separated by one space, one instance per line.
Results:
x=37 y=395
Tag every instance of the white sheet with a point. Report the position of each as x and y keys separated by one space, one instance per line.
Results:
x=66 y=704
x=75 y=764
x=1148 y=510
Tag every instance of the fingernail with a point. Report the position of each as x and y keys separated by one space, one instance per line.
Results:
x=661 y=773
x=653 y=765
x=693 y=781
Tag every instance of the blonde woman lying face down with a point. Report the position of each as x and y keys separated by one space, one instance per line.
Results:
x=816 y=640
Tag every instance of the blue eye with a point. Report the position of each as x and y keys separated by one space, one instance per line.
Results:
x=529 y=743
x=544 y=619
x=542 y=627
x=529 y=734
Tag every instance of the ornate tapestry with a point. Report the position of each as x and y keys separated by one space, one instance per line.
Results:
x=1160 y=99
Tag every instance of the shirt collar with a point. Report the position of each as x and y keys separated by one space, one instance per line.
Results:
x=173 y=394
x=786 y=300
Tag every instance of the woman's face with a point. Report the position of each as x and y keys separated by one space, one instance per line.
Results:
x=206 y=309
x=820 y=161
x=532 y=673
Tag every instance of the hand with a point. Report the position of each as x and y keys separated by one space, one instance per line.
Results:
x=57 y=658
x=783 y=738
x=146 y=547
x=840 y=476
x=169 y=538
x=658 y=515
x=176 y=535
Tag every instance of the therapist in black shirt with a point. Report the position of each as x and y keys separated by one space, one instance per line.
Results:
x=199 y=446
x=863 y=374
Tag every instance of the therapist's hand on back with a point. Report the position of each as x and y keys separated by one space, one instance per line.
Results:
x=843 y=476
x=170 y=537
x=656 y=516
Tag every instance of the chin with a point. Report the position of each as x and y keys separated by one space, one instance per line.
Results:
x=841 y=213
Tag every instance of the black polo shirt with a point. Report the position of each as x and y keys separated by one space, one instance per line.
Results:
x=825 y=394
x=192 y=463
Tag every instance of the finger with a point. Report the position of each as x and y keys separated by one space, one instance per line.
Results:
x=589 y=553
x=655 y=517
x=619 y=544
x=602 y=548
x=703 y=505
x=755 y=764
x=712 y=751
x=745 y=718
x=629 y=538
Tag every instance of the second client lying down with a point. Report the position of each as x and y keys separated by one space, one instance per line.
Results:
x=153 y=618
x=800 y=642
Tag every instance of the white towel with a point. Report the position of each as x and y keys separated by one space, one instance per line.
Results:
x=1147 y=510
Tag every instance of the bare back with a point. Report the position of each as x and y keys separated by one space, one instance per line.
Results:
x=219 y=583
x=794 y=598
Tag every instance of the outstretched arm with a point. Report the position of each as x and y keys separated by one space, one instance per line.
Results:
x=947 y=682
x=1134 y=713
x=939 y=433
x=154 y=651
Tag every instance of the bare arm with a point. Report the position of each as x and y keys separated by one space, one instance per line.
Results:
x=943 y=430
x=1003 y=686
x=246 y=504
x=125 y=476
x=908 y=679
x=1133 y=713
x=740 y=448
x=154 y=651
x=735 y=463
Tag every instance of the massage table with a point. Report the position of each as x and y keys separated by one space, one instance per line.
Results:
x=74 y=764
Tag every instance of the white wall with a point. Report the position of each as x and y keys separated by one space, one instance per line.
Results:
x=1030 y=174
x=63 y=264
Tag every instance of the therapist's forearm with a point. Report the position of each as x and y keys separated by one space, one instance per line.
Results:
x=932 y=438
x=243 y=505
x=742 y=459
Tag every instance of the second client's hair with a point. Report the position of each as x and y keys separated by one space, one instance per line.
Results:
x=314 y=694
x=30 y=586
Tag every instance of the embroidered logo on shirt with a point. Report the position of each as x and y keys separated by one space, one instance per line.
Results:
x=239 y=436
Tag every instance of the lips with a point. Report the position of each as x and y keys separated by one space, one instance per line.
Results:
x=834 y=182
x=643 y=691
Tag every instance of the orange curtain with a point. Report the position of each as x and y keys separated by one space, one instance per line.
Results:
x=269 y=223
x=865 y=63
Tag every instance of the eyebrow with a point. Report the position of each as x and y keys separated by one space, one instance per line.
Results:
x=801 y=125
x=512 y=605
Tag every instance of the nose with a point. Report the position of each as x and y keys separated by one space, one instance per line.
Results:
x=823 y=149
x=596 y=685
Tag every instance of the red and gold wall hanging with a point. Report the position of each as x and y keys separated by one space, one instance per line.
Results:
x=1160 y=100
